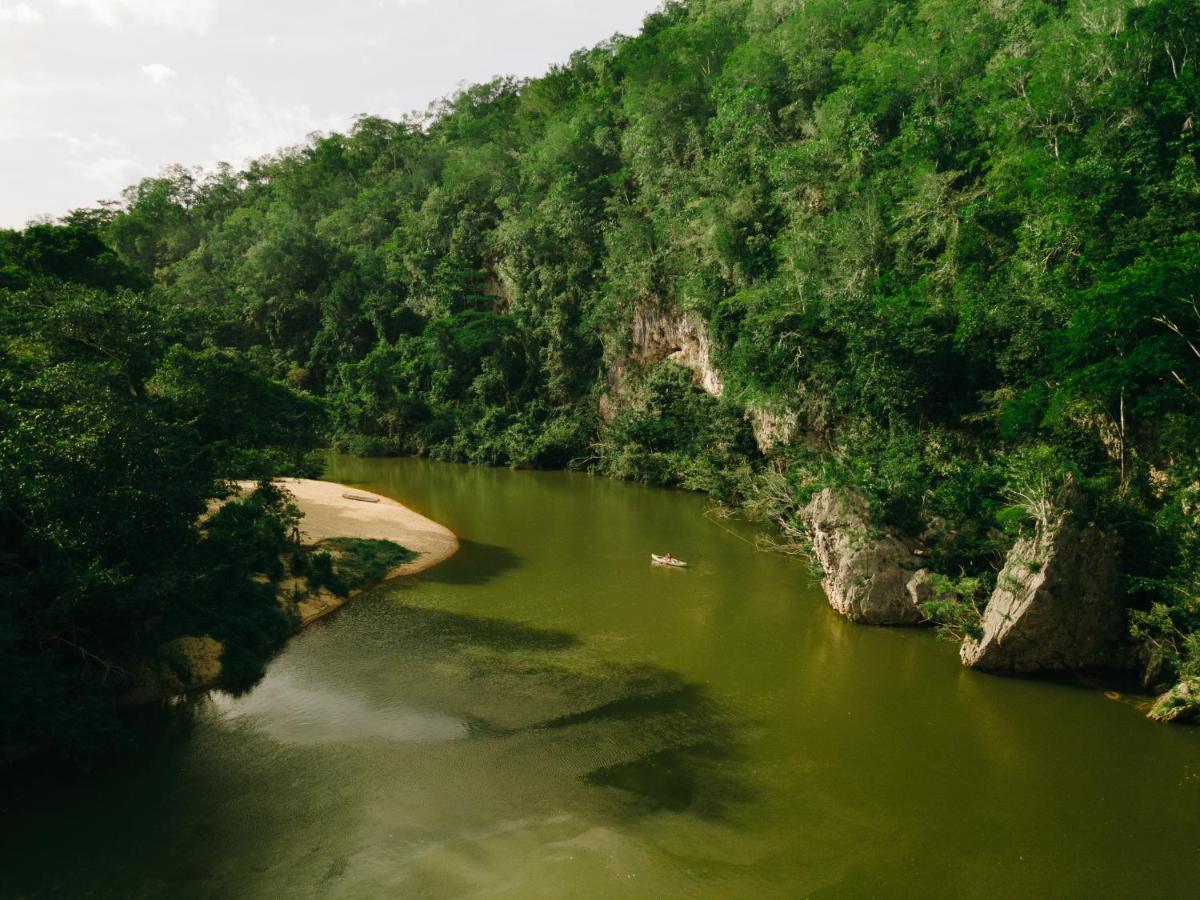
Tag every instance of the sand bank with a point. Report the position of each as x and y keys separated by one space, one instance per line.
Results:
x=330 y=511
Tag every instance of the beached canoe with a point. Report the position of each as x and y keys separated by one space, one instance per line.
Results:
x=360 y=498
x=663 y=561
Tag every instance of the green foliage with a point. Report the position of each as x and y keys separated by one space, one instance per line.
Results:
x=74 y=253
x=107 y=464
x=956 y=606
x=234 y=567
x=966 y=266
x=251 y=425
x=673 y=433
x=1040 y=488
x=358 y=562
x=1169 y=625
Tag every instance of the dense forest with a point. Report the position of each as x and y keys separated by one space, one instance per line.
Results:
x=942 y=252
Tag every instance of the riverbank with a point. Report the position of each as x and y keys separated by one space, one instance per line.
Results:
x=330 y=512
x=333 y=510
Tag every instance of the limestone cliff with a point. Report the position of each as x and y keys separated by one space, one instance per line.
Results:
x=868 y=577
x=1056 y=607
x=659 y=331
x=773 y=427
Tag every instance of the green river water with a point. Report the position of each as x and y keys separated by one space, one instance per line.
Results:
x=546 y=715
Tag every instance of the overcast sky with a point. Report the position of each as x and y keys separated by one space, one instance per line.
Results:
x=95 y=94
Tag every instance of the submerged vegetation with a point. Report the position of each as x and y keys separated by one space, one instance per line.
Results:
x=941 y=252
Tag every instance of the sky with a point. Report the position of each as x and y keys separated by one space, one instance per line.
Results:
x=97 y=94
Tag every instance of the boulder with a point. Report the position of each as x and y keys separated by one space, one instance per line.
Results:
x=1057 y=606
x=866 y=575
x=1180 y=704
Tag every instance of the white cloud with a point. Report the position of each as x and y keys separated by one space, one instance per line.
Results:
x=41 y=87
x=158 y=73
x=193 y=15
x=22 y=14
x=111 y=173
x=99 y=159
x=87 y=144
x=256 y=128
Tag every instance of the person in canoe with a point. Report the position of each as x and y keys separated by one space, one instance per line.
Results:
x=667 y=560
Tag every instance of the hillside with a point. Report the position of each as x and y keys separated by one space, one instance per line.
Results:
x=919 y=272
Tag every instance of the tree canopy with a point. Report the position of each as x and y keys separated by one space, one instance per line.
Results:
x=945 y=237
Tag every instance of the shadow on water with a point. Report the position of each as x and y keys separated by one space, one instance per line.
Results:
x=474 y=564
x=643 y=698
x=688 y=769
x=640 y=738
x=449 y=629
x=678 y=779
x=662 y=742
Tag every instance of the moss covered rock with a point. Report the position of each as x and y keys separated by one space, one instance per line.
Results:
x=1180 y=704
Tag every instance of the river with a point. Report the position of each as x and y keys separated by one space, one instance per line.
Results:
x=547 y=715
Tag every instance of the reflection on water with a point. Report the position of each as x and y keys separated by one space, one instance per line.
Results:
x=293 y=712
x=546 y=715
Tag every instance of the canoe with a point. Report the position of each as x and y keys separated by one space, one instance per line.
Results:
x=663 y=561
x=361 y=498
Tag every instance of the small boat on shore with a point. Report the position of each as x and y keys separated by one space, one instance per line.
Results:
x=667 y=561
x=361 y=498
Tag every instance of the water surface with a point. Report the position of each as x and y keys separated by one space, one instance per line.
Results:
x=546 y=715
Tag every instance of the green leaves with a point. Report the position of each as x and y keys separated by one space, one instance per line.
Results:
x=249 y=425
x=954 y=241
x=114 y=439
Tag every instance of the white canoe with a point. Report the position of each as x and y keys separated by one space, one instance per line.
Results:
x=361 y=498
x=663 y=561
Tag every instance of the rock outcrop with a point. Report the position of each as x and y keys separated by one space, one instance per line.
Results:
x=1056 y=607
x=773 y=427
x=869 y=578
x=658 y=331
x=1180 y=704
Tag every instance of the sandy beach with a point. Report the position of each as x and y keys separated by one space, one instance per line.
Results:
x=330 y=510
x=334 y=510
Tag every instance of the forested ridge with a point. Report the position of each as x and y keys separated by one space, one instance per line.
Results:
x=947 y=251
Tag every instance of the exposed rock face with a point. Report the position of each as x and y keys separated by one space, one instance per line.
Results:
x=919 y=587
x=199 y=667
x=1180 y=704
x=660 y=333
x=202 y=656
x=1056 y=606
x=773 y=427
x=867 y=578
x=500 y=286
